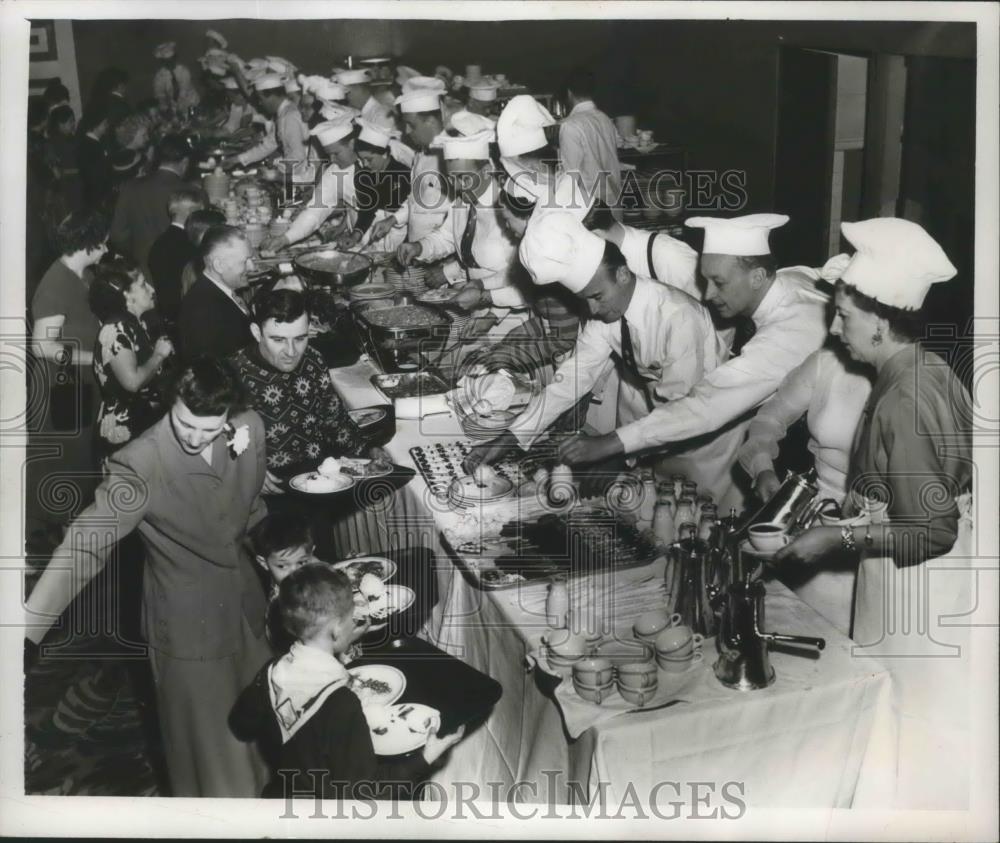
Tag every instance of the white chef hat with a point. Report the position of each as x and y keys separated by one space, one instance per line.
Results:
x=742 y=236
x=230 y=83
x=404 y=73
x=353 y=77
x=557 y=248
x=475 y=147
x=269 y=81
x=215 y=68
x=521 y=125
x=279 y=65
x=896 y=261
x=468 y=123
x=166 y=50
x=292 y=85
x=484 y=91
x=217 y=37
x=565 y=195
x=375 y=134
x=328 y=91
x=258 y=63
x=419 y=99
x=423 y=83
x=335 y=111
x=332 y=131
x=252 y=74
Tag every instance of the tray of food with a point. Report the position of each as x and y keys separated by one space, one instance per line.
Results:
x=409 y=385
x=440 y=465
x=356 y=568
x=390 y=317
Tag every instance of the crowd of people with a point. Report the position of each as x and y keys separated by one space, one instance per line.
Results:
x=199 y=395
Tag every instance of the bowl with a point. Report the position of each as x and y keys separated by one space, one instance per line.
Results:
x=624 y=652
x=637 y=696
x=637 y=675
x=594 y=671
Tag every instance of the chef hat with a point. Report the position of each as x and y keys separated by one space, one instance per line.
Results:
x=423 y=83
x=353 y=77
x=252 y=74
x=484 y=91
x=375 y=134
x=258 y=63
x=335 y=111
x=896 y=261
x=279 y=65
x=217 y=37
x=475 y=147
x=269 y=81
x=166 y=50
x=404 y=73
x=567 y=195
x=230 y=83
x=419 y=99
x=333 y=130
x=520 y=127
x=328 y=91
x=292 y=85
x=742 y=236
x=557 y=248
x=467 y=123
x=215 y=69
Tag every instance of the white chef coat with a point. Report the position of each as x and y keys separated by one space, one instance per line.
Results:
x=428 y=204
x=674 y=261
x=832 y=397
x=675 y=347
x=290 y=135
x=588 y=148
x=335 y=190
x=163 y=89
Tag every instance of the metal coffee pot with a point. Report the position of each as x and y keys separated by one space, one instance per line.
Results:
x=794 y=506
x=692 y=575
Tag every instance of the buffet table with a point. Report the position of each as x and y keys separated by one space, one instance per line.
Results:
x=815 y=738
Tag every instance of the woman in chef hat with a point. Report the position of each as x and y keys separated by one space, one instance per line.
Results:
x=910 y=478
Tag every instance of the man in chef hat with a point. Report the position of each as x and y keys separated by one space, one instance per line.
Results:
x=427 y=205
x=522 y=140
x=480 y=255
x=359 y=96
x=789 y=314
x=172 y=84
x=289 y=134
x=483 y=97
x=335 y=190
x=663 y=340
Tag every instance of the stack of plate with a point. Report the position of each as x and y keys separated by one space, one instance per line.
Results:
x=466 y=493
x=487 y=426
x=370 y=292
x=408 y=280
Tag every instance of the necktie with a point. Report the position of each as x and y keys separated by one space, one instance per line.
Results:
x=465 y=244
x=631 y=367
x=745 y=329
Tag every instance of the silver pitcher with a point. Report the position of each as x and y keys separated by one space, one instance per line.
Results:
x=794 y=506
x=693 y=573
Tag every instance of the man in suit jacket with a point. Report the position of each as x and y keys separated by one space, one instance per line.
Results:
x=141 y=210
x=172 y=251
x=191 y=487
x=214 y=321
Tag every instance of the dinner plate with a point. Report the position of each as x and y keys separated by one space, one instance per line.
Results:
x=356 y=568
x=368 y=417
x=314 y=483
x=438 y=296
x=363 y=469
x=400 y=728
x=377 y=684
x=398 y=598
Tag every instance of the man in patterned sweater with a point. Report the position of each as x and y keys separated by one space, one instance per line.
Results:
x=290 y=388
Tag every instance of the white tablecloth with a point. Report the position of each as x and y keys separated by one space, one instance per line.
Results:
x=806 y=741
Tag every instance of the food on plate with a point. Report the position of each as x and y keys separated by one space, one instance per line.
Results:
x=357 y=568
x=333 y=262
x=403 y=316
x=364 y=418
x=495 y=577
x=371 y=587
x=329 y=467
x=484 y=475
x=439 y=295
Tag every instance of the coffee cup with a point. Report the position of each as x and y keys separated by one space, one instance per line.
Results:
x=593 y=671
x=566 y=644
x=650 y=624
x=625 y=652
x=768 y=537
x=637 y=696
x=592 y=693
x=640 y=675
x=678 y=642
x=669 y=665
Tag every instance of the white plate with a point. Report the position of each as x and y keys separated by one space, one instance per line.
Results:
x=361 y=469
x=313 y=483
x=400 y=728
x=377 y=673
x=397 y=599
x=356 y=568
x=370 y=416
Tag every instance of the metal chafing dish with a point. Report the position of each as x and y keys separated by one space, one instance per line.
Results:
x=397 y=346
x=333 y=268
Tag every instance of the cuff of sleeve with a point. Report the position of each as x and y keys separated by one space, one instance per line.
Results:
x=759 y=462
x=631 y=438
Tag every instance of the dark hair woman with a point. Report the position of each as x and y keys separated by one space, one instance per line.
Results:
x=128 y=363
x=908 y=481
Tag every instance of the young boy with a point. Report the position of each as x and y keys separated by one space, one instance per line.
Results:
x=301 y=710
x=281 y=543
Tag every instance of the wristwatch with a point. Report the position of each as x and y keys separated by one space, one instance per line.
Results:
x=847 y=538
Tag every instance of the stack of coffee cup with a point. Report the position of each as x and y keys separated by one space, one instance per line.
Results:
x=637 y=682
x=650 y=624
x=563 y=649
x=678 y=649
x=593 y=679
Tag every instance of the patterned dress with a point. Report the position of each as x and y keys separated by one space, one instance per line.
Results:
x=304 y=416
x=123 y=414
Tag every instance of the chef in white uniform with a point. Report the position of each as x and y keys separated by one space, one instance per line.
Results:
x=335 y=189
x=359 y=96
x=289 y=137
x=789 y=314
x=523 y=144
x=428 y=204
x=482 y=98
x=663 y=339
x=473 y=235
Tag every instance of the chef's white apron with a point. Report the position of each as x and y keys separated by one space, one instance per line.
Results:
x=914 y=621
x=388 y=243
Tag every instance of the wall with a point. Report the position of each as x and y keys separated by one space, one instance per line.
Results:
x=707 y=85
